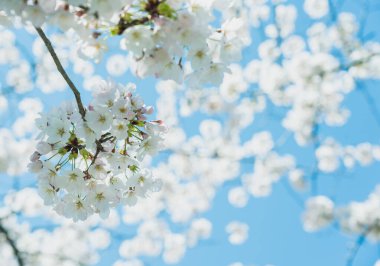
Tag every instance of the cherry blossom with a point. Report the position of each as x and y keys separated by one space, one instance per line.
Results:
x=254 y=101
x=76 y=156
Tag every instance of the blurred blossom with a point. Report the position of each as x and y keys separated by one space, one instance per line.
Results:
x=237 y=232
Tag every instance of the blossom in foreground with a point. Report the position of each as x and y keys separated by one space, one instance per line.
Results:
x=174 y=40
x=89 y=164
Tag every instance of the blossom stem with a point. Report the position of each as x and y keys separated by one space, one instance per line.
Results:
x=61 y=70
x=151 y=8
x=12 y=243
x=51 y=156
x=99 y=148
x=315 y=172
x=136 y=136
x=371 y=103
x=297 y=199
x=358 y=243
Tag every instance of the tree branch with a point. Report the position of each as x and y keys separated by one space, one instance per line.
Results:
x=315 y=173
x=62 y=71
x=151 y=8
x=12 y=243
x=297 y=199
x=358 y=243
x=370 y=102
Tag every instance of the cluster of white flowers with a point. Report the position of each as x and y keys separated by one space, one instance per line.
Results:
x=152 y=242
x=238 y=232
x=304 y=74
x=364 y=61
x=238 y=197
x=316 y=8
x=16 y=141
x=66 y=243
x=358 y=218
x=319 y=213
x=18 y=77
x=183 y=45
x=267 y=170
x=268 y=166
x=297 y=180
x=330 y=154
x=186 y=193
x=92 y=161
x=231 y=98
x=12 y=159
x=168 y=39
x=89 y=164
x=316 y=92
x=362 y=218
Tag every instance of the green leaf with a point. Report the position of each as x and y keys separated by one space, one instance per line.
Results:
x=165 y=10
x=84 y=153
x=72 y=137
x=140 y=123
x=115 y=31
x=142 y=6
x=73 y=155
x=133 y=168
x=127 y=17
x=62 y=151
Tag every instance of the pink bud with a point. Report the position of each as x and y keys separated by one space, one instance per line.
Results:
x=149 y=110
x=141 y=117
x=158 y=122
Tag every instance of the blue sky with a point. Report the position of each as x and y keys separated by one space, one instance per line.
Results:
x=276 y=235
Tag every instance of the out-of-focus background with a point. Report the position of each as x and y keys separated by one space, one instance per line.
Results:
x=271 y=226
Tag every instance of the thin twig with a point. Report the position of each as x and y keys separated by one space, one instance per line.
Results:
x=370 y=102
x=151 y=8
x=297 y=199
x=62 y=71
x=315 y=173
x=358 y=243
x=333 y=11
x=12 y=243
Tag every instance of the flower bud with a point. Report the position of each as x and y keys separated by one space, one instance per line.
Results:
x=35 y=156
x=44 y=147
x=35 y=166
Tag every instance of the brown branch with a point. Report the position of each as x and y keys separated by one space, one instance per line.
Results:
x=61 y=70
x=99 y=147
x=12 y=243
x=122 y=25
x=151 y=8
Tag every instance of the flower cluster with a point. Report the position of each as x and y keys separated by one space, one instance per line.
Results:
x=154 y=236
x=362 y=217
x=168 y=39
x=330 y=154
x=319 y=213
x=180 y=44
x=90 y=163
x=268 y=166
x=238 y=232
x=62 y=243
x=90 y=160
